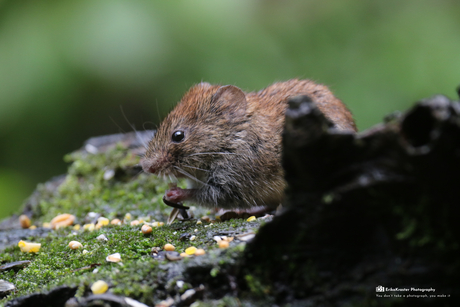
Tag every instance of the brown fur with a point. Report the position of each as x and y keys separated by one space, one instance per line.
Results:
x=232 y=142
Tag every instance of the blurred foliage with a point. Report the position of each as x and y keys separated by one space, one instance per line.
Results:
x=70 y=70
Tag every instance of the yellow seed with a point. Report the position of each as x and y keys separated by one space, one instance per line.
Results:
x=115 y=222
x=89 y=227
x=75 y=245
x=29 y=247
x=103 y=220
x=76 y=227
x=33 y=227
x=184 y=255
x=24 y=221
x=46 y=225
x=62 y=220
x=199 y=223
x=251 y=218
x=223 y=244
x=169 y=247
x=134 y=223
x=128 y=216
x=146 y=229
x=199 y=252
x=99 y=287
x=161 y=224
x=98 y=226
x=155 y=224
x=85 y=251
x=191 y=250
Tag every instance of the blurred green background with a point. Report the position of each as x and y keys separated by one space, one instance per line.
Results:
x=67 y=68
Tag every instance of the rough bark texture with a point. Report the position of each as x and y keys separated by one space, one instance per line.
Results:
x=377 y=208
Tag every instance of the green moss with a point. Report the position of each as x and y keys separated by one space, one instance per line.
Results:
x=140 y=276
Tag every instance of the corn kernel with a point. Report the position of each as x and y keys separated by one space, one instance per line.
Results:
x=191 y=250
x=29 y=247
x=99 y=287
x=24 y=221
x=146 y=229
x=75 y=245
x=62 y=220
x=89 y=227
x=113 y=258
x=251 y=218
x=223 y=244
x=115 y=222
x=199 y=252
x=169 y=247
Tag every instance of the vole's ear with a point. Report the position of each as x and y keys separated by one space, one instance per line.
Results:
x=231 y=101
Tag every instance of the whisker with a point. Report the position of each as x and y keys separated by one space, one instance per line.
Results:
x=211 y=153
x=188 y=175
x=201 y=169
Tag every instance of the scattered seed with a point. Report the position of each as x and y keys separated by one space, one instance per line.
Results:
x=33 y=227
x=191 y=250
x=196 y=230
x=205 y=219
x=134 y=223
x=46 y=225
x=75 y=245
x=29 y=247
x=99 y=287
x=155 y=224
x=24 y=221
x=62 y=220
x=200 y=252
x=101 y=222
x=128 y=216
x=251 y=218
x=223 y=244
x=84 y=251
x=184 y=255
x=114 y=258
x=192 y=238
x=169 y=247
x=76 y=227
x=199 y=222
x=89 y=227
x=146 y=229
x=102 y=237
x=115 y=222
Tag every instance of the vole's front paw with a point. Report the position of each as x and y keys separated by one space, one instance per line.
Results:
x=175 y=195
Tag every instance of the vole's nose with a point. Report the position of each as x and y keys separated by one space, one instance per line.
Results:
x=149 y=166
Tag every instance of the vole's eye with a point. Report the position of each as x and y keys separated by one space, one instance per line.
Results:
x=178 y=136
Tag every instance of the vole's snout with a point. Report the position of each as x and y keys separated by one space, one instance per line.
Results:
x=150 y=166
x=155 y=163
x=147 y=166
